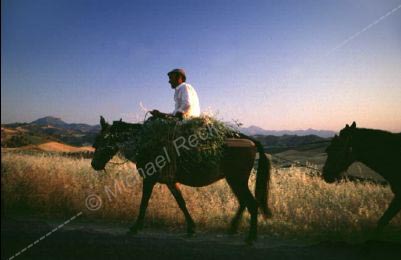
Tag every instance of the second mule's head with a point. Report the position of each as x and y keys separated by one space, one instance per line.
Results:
x=339 y=154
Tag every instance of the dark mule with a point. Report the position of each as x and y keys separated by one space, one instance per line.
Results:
x=235 y=167
x=379 y=150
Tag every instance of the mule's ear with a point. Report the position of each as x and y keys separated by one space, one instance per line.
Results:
x=353 y=125
x=103 y=123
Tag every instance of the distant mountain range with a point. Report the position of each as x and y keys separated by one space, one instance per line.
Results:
x=49 y=120
x=57 y=122
x=55 y=129
x=47 y=129
x=255 y=130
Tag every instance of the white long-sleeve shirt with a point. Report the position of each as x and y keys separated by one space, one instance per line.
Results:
x=186 y=100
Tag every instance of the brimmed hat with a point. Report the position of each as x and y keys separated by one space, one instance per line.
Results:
x=177 y=71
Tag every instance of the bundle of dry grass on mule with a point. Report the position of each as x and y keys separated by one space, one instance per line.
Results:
x=377 y=149
x=193 y=152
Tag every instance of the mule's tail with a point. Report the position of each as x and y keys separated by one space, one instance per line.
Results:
x=262 y=178
x=263 y=181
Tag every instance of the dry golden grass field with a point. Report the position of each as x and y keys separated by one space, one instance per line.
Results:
x=51 y=147
x=303 y=206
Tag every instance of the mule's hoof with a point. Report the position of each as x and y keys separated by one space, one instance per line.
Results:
x=190 y=232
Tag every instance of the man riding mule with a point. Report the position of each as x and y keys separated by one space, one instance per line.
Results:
x=185 y=97
x=230 y=161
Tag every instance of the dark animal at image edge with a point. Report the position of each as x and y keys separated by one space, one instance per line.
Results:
x=379 y=150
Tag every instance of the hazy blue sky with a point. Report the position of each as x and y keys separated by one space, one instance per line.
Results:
x=275 y=64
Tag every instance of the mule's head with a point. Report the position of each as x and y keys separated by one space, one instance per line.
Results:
x=105 y=146
x=339 y=154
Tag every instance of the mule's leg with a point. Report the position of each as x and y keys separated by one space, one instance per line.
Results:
x=175 y=190
x=393 y=209
x=244 y=195
x=236 y=219
x=252 y=206
x=146 y=193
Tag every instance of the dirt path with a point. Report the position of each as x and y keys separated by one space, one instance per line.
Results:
x=79 y=240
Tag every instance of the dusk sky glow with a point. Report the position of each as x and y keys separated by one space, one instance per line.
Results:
x=275 y=64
